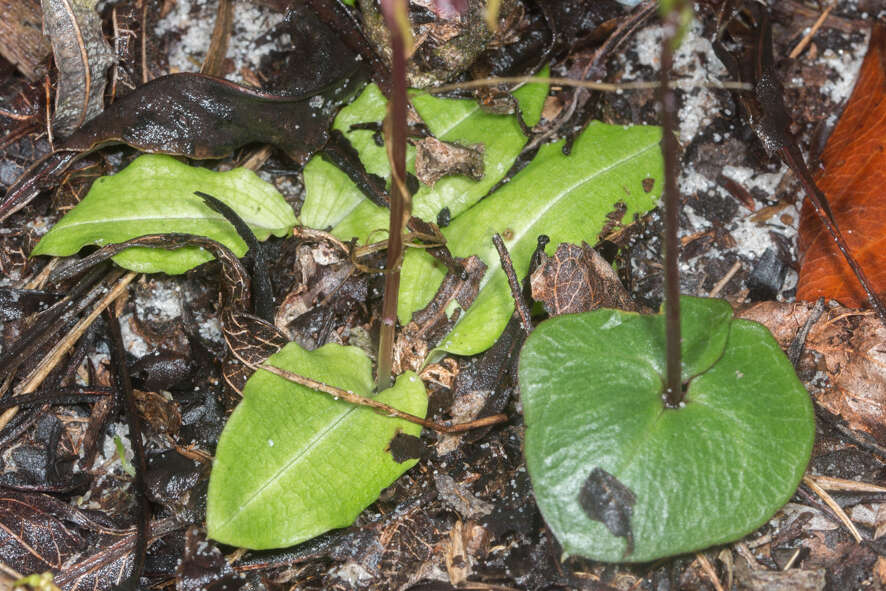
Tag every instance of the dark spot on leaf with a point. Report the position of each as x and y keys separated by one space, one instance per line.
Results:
x=508 y=234
x=405 y=447
x=603 y=498
x=648 y=184
x=444 y=217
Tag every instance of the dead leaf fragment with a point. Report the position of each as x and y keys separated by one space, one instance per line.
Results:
x=460 y=499
x=82 y=57
x=854 y=174
x=458 y=563
x=430 y=324
x=435 y=159
x=606 y=499
x=577 y=279
x=844 y=363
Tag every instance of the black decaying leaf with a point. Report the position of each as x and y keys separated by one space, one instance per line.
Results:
x=204 y=568
x=263 y=298
x=82 y=57
x=18 y=303
x=196 y=116
x=33 y=536
x=405 y=447
x=604 y=498
x=767 y=277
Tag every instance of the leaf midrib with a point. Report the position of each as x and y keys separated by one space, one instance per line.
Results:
x=286 y=467
x=518 y=236
x=153 y=218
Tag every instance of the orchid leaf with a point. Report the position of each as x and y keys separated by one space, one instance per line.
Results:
x=620 y=477
x=155 y=195
x=293 y=463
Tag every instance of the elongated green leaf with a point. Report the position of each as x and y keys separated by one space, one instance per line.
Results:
x=704 y=474
x=332 y=200
x=330 y=196
x=293 y=463
x=566 y=197
x=155 y=194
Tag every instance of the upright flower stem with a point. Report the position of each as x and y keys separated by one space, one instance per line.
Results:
x=395 y=17
x=671 y=152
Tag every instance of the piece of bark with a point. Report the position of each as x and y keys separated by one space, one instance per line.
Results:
x=577 y=279
x=21 y=37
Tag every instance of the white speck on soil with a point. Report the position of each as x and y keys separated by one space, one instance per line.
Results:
x=353 y=573
x=132 y=341
x=845 y=66
x=210 y=329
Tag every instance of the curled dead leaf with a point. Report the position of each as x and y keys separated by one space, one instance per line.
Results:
x=577 y=279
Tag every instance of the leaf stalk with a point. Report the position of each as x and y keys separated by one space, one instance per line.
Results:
x=673 y=394
x=394 y=12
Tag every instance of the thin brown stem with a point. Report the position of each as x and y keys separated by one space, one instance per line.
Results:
x=394 y=12
x=673 y=394
x=516 y=288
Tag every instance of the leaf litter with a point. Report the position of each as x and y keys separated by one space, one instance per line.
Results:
x=491 y=467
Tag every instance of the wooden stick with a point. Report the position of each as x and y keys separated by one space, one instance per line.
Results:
x=350 y=397
x=808 y=37
x=51 y=359
x=837 y=509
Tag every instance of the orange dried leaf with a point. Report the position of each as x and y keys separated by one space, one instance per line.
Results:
x=854 y=180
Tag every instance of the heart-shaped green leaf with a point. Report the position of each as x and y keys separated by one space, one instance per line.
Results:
x=566 y=197
x=293 y=463
x=604 y=453
x=155 y=195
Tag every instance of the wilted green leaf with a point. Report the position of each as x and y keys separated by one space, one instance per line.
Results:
x=333 y=200
x=293 y=463
x=704 y=474
x=565 y=197
x=155 y=194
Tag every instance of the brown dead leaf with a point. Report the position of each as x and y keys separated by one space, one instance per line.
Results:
x=844 y=364
x=162 y=414
x=854 y=174
x=82 y=57
x=430 y=324
x=435 y=159
x=578 y=279
x=458 y=563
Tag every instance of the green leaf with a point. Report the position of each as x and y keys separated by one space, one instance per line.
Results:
x=707 y=473
x=292 y=463
x=330 y=196
x=566 y=197
x=333 y=200
x=154 y=195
